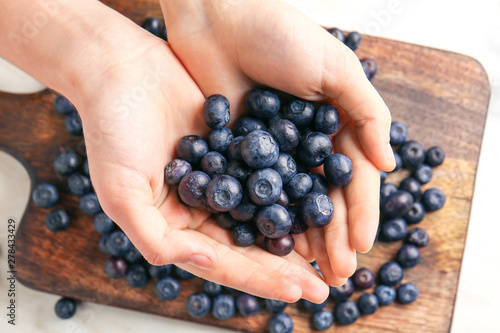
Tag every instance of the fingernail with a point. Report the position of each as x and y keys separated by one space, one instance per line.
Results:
x=200 y=261
x=390 y=155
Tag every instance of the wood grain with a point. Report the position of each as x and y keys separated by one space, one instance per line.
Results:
x=441 y=96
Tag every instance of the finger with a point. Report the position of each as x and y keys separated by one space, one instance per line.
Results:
x=303 y=247
x=362 y=194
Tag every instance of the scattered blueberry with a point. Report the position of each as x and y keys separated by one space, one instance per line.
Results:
x=115 y=267
x=219 y=140
x=212 y=289
x=368 y=303
x=118 y=243
x=198 y=305
x=385 y=294
x=65 y=308
x=298 y=186
x=176 y=170
x=273 y=221
x=264 y=186
x=391 y=274
x=244 y=234
x=262 y=104
x=314 y=148
x=246 y=124
x=370 y=67
x=274 y=306
x=338 y=170
x=417 y=237
x=163 y=33
x=397 y=204
x=216 y=111
x=285 y=133
x=223 y=306
x=159 y=272
x=337 y=33
x=407 y=293
x=247 y=305
x=434 y=156
x=408 y=256
x=57 y=220
x=73 y=124
x=386 y=190
x=133 y=256
x=63 y=106
x=192 y=188
x=137 y=276
x=433 y=199
x=412 y=186
x=323 y=320
x=153 y=25
x=398 y=133
x=79 y=184
x=363 y=278
x=103 y=224
x=299 y=112
x=347 y=312
x=259 y=149
x=353 y=40
x=89 y=204
x=412 y=154
x=66 y=163
x=183 y=274
x=312 y=307
x=103 y=244
x=394 y=229
x=280 y=246
x=342 y=293
x=423 y=174
x=416 y=213
x=281 y=323
x=167 y=288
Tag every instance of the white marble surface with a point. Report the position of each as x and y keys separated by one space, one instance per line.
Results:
x=462 y=26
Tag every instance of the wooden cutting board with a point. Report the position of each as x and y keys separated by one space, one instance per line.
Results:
x=441 y=96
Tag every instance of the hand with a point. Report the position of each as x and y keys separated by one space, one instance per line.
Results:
x=229 y=47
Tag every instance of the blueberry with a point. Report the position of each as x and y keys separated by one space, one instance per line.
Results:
x=423 y=174
x=338 y=170
x=393 y=230
x=314 y=148
x=224 y=193
x=323 y=320
x=219 y=140
x=299 y=112
x=118 y=243
x=353 y=40
x=198 y=305
x=285 y=166
x=192 y=148
x=398 y=133
x=137 y=276
x=183 y=274
x=225 y=220
x=363 y=278
x=246 y=124
x=347 y=312
x=417 y=237
x=398 y=161
x=342 y=293
x=216 y=111
x=369 y=67
x=337 y=33
x=407 y=293
x=262 y=104
x=167 y=288
x=103 y=244
x=115 y=267
x=213 y=164
x=315 y=265
x=327 y=119
x=390 y=273
x=298 y=225
x=159 y=272
x=275 y=306
x=57 y=220
x=416 y=213
x=412 y=154
x=397 y=204
x=264 y=186
x=89 y=204
x=176 y=170
x=153 y=25
x=316 y=209
x=280 y=323
x=239 y=171
x=163 y=33
x=285 y=133
x=223 y=307
x=273 y=221
x=245 y=211
x=386 y=190
x=320 y=184
x=408 y=256
x=212 y=289
x=73 y=124
x=63 y=106
x=259 y=150
x=192 y=188
x=413 y=186
x=66 y=163
x=133 y=256
x=247 y=305
x=234 y=149
x=368 y=303
x=244 y=234
x=103 y=224
x=385 y=294
x=85 y=168
x=312 y=307
x=79 y=184
x=434 y=156
x=280 y=246
x=298 y=186
x=65 y=308
x=433 y=199
x=283 y=200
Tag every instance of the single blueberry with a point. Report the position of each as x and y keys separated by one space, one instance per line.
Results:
x=247 y=305
x=57 y=220
x=73 y=124
x=363 y=278
x=103 y=244
x=391 y=273
x=312 y=307
x=298 y=186
x=176 y=170
x=273 y=221
x=412 y=154
x=413 y=186
x=327 y=119
x=433 y=199
x=298 y=225
x=118 y=243
x=299 y=112
x=65 y=308
x=434 y=156
x=416 y=213
x=393 y=230
x=337 y=33
x=408 y=256
x=239 y=171
x=368 y=303
x=347 y=312
x=183 y=274
x=245 y=211
x=244 y=234
x=397 y=204
x=338 y=170
x=163 y=33
x=137 y=276
x=285 y=133
x=103 y=224
x=234 y=149
x=133 y=256
x=115 y=267
x=153 y=25
x=223 y=307
x=159 y=272
x=264 y=186
x=323 y=320
x=213 y=164
x=192 y=188
x=89 y=204
x=262 y=103
x=66 y=163
x=386 y=190
x=285 y=166
x=216 y=111
x=316 y=209
x=198 y=305
x=192 y=148
x=280 y=323
x=385 y=294
x=314 y=148
x=275 y=306
x=212 y=289
x=259 y=150
x=225 y=220
x=370 y=67
x=280 y=246
x=353 y=40
x=320 y=183
x=167 y=288
x=224 y=193
x=423 y=174
x=246 y=124
x=417 y=237
x=79 y=184
x=407 y=293
x=63 y=106
x=342 y=293
x=398 y=133
x=219 y=140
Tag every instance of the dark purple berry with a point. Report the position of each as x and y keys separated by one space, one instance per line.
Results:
x=192 y=188
x=397 y=204
x=369 y=67
x=353 y=40
x=280 y=246
x=343 y=292
x=363 y=278
x=176 y=170
x=115 y=267
x=247 y=305
x=65 y=308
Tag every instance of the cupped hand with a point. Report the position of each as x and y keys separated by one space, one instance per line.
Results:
x=229 y=47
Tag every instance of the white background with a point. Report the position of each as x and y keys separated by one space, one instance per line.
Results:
x=469 y=27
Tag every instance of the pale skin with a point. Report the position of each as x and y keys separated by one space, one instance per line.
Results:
x=137 y=96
